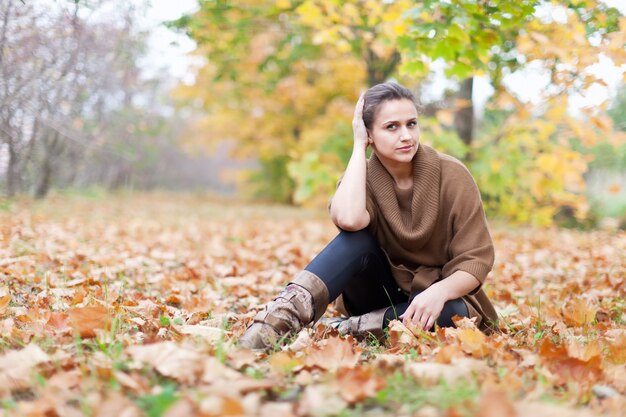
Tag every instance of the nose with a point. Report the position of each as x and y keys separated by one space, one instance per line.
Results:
x=405 y=134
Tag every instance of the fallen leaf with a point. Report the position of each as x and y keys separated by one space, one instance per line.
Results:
x=579 y=312
x=5 y=299
x=277 y=409
x=17 y=366
x=473 y=341
x=283 y=362
x=495 y=403
x=85 y=320
x=302 y=342
x=434 y=372
x=170 y=359
x=210 y=334
x=401 y=336
x=616 y=349
x=221 y=406
x=358 y=383
x=320 y=401
x=117 y=405
x=332 y=354
x=182 y=408
x=557 y=358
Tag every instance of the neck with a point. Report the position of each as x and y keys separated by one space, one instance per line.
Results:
x=401 y=172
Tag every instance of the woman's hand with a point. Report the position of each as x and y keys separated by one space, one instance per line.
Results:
x=358 y=126
x=425 y=308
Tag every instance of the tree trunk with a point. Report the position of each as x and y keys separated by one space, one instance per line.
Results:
x=378 y=70
x=464 y=116
x=43 y=184
x=12 y=173
x=52 y=149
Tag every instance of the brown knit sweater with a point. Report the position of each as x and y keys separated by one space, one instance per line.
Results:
x=444 y=231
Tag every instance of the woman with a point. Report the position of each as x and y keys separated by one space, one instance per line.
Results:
x=414 y=242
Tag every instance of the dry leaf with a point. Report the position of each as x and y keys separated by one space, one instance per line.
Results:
x=284 y=362
x=434 y=372
x=357 y=384
x=332 y=354
x=85 y=320
x=320 y=401
x=221 y=406
x=5 y=299
x=579 y=312
x=473 y=341
x=117 y=405
x=17 y=366
x=170 y=359
x=495 y=403
x=401 y=336
x=210 y=334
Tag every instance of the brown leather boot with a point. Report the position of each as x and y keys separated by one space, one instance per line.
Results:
x=361 y=327
x=301 y=302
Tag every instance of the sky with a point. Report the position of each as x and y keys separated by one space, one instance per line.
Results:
x=169 y=52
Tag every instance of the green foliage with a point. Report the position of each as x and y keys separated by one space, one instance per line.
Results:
x=155 y=405
x=406 y=392
x=472 y=37
x=272 y=180
x=286 y=74
x=617 y=112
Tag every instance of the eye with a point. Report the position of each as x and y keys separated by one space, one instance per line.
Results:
x=391 y=126
x=413 y=123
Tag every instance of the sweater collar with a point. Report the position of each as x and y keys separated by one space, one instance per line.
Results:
x=425 y=202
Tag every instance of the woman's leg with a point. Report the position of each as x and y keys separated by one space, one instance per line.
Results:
x=354 y=265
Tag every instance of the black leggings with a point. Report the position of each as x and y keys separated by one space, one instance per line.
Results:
x=354 y=264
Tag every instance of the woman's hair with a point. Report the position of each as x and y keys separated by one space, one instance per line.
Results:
x=380 y=93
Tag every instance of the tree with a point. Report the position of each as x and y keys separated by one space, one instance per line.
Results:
x=402 y=39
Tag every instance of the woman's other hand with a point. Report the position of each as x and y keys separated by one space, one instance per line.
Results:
x=425 y=308
x=358 y=126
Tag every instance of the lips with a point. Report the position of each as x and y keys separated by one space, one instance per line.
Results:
x=406 y=148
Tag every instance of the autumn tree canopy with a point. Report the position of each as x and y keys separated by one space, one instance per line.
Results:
x=281 y=79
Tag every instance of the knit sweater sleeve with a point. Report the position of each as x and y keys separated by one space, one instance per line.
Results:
x=470 y=248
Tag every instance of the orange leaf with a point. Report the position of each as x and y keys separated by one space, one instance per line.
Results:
x=58 y=321
x=4 y=302
x=568 y=368
x=495 y=403
x=401 y=336
x=616 y=350
x=358 y=383
x=16 y=367
x=578 y=312
x=283 y=362
x=334 y=353
x=86 y=319
x=473 y=341
x=615 y=188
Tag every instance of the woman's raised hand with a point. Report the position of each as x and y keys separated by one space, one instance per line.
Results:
x=358 y=126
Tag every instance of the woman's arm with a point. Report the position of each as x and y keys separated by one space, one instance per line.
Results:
x=427 y=305
x=348 y=209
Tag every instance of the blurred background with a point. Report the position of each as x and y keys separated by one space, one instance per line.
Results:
x=253 y=99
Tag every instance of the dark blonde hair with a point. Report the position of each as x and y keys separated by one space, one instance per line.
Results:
x=381 y=93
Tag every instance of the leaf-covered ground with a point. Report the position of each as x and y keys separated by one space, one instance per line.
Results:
x=130 y=306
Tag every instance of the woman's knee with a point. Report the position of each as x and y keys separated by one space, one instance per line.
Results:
x=452 y=308
x=361 y=240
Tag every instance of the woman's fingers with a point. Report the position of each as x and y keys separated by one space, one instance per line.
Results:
x=430 y=323
x=358 y=109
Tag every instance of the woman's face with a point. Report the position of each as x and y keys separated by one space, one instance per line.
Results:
x=394 y=135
